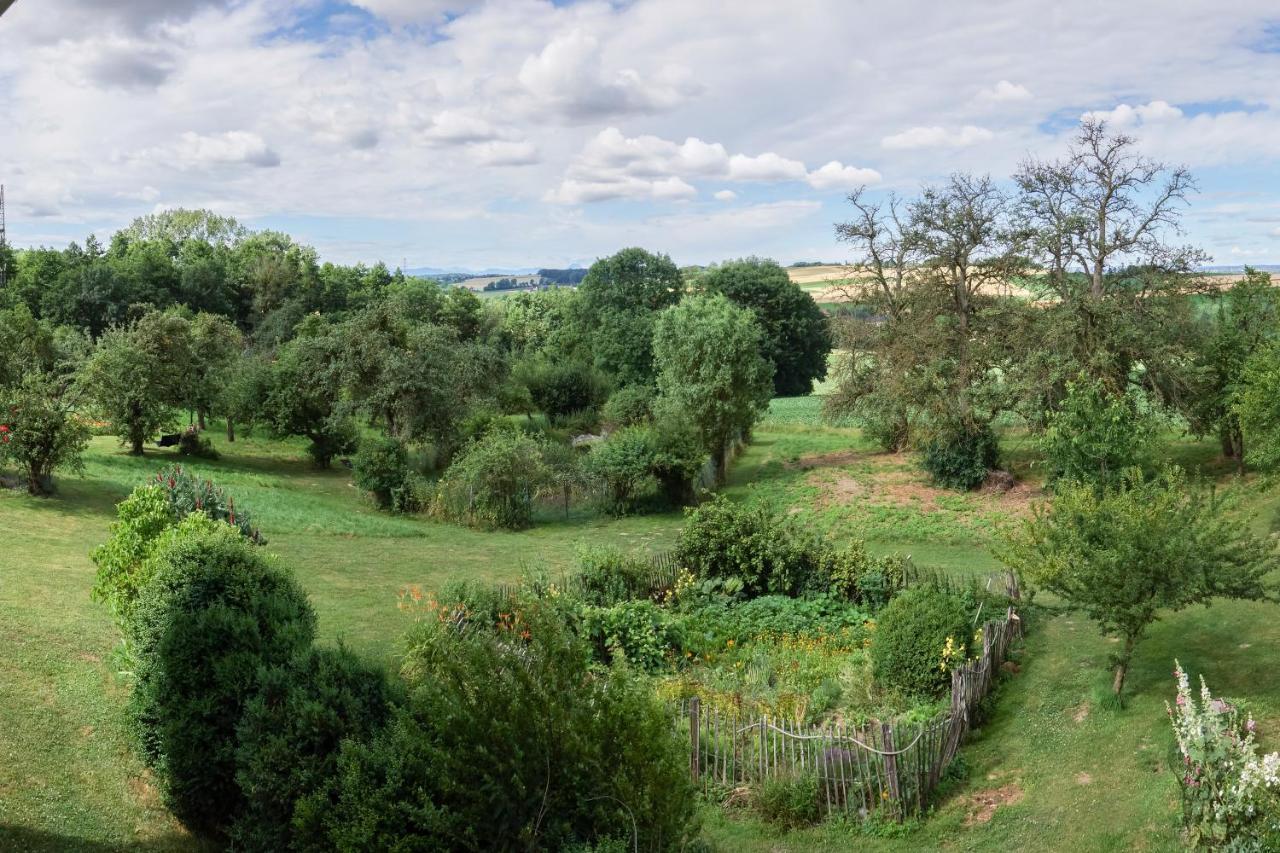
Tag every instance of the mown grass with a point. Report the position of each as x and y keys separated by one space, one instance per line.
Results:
x=69 y=780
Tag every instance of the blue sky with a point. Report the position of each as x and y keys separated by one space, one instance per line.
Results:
x=514 y=133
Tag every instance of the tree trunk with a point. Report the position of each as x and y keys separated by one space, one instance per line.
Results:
x=135 y=445
x=1122 y=665
x=722 y=462
x=200 y=420
x=231 y=430
x=39 y=483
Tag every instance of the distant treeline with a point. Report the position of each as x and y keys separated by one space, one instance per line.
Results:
x=570 y=276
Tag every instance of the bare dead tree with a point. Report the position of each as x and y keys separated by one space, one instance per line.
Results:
x=886 y=247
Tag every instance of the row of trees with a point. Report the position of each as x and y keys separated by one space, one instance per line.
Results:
x=983 y=303
x=430 y=366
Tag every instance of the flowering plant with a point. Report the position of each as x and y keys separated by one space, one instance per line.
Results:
x=1230 y=795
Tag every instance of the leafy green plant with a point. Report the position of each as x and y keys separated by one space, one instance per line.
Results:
x=639 y=632
x=628 y=406
x=193 y=444
x=39 y=433
x=287 y=743
x=1094 y=437
x=624 y=464
x=188 y=493
x=789 y=802
x=381 y=468
x=913 y=635
x=959 y=456
x=213 y=612
x=493 y=482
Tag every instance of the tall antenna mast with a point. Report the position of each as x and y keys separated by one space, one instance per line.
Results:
x=4 y=242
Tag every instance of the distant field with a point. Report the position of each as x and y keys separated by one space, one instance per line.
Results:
x=481 y=282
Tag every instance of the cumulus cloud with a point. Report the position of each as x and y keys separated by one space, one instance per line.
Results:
x=936 y=137
x=235 y=147
x=502 y=153
x=572 y=191
x=837 y=176
x=1005 y=92
x=610 y=159
x=125 y=64
x=568 y=75
x=1127 y=116
x=730 y=195
x=453 y=127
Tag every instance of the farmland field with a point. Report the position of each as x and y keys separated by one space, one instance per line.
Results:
x=1050 y=753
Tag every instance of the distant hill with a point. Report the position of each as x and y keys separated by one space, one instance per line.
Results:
x=1239 y=268
x=455 y=272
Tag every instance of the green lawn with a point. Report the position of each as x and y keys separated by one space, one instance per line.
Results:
x=68 y=780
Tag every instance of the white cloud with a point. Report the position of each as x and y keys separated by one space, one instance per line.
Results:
x=568 y=75
x=573 y=191
x=936 y=137
x=235 y=147
x=1127 y=116
x=1005 y=92
x=765 y=167
x=1275 y=232
x=453 y=127
x=836 y=175
x=501 y=153
x=730 y=195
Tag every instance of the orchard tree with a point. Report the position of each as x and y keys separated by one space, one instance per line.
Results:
x=216 y=349
x=795 y=335
x=39 y=432
x=1256 y=405
x=302 y=395
x=137 y=376
x=1128 y=554
x=1095 y=437
x=617 y=303
x=707 y=354
x=1245 y=320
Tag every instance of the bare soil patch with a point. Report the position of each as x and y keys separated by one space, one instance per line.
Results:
x=983 y=804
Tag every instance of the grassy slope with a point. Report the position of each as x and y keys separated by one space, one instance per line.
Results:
x=69 y=781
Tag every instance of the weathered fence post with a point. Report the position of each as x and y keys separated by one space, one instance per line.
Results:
x=891 y=767
x=695 y=758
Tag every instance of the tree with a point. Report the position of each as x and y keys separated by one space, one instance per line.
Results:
x=302 y=395
x=796 y=339
x=39 y=431
x=1126 y=555
x=216 y=347
x=1095 y=437
x=617 y=301
x=707 y=353
x=136 y=375
x=1244 y=322
x=1257 y=406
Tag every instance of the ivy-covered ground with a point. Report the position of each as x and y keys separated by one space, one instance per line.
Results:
x=1053 y=769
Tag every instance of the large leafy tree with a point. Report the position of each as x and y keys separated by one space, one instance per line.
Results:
x=39 y=431
x=137 y=375
x=1242 y=322
x=1127 y=554
x=617 y=303
x=301 y=394
x=707 y=354
x=796 y=338
x=216 y=349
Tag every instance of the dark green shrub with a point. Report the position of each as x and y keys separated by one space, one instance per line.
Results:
x=789 y=802
x=678 y=458
x=288 y=741
x=494 y=481
x=211 y=616
x=628 y=406
x=960 y=456
x=910 y=635
x=193 y=444
x=381 y=468
x=562 y=388
x=723 y=539
x=507 y=743
x=640 y=632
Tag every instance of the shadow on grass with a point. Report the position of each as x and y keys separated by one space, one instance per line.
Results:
x=27 y=839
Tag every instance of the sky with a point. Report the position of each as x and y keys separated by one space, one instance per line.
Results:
x=522 y=133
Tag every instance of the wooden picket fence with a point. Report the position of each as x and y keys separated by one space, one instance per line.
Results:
x=857 y=768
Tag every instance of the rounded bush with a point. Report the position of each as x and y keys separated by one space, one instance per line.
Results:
x=910 y=635
x=959 y=457
x=212 y=614
x=494 y=481
x=726 y=540
x=288 y=741
x=628 y=406
x=381 y=468
x=563 y=388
